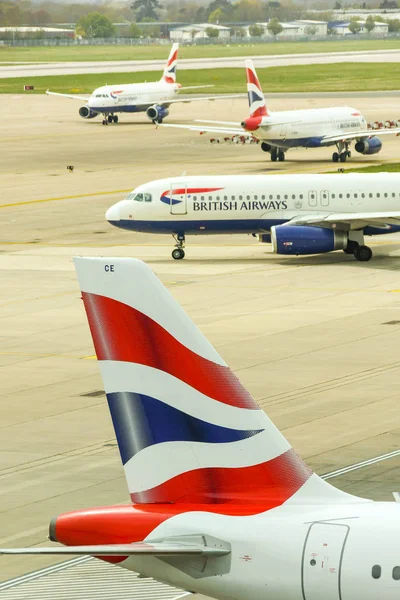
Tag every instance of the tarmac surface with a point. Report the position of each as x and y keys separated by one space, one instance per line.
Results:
x=315 y=339
x=274 y=60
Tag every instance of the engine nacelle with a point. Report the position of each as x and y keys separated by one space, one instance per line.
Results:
x=157 y=113
x=372 y=145
x=266 y=147
x=87 y=113
x=299 y=239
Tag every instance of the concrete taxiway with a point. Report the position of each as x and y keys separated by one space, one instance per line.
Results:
x=315 y=339
x=274 y=60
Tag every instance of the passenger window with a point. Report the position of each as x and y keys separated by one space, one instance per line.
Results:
x=147 y=197
x=202 y=197
x=285 y=196
x=210 y=197
x=255 y=197
x=301 y=196
x=293 y=197
x=376 y=571
x=333 y=195
x=262 y=197
x=385 y=194
x=240 y=197
x=270 y=196
x=247 y=197
x=232 y=197
x=194 y=198
x=278 y=197
x=370 y=195
x=393 y=195
x=378 y=195
x=362 y=195
x=225 y=197
x=340 y=195
x=217 y=198
x=355 y=195
x=396 y=573
x=347 y=195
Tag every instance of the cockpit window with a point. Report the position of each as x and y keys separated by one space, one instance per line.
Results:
x=137 y=197
x=147 y=197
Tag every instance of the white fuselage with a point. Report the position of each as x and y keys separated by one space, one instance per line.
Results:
x=134 y=97
x=251 y=204
x=293 y=552
x=309 y=127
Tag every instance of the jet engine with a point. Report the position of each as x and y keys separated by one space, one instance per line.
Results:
x=299 y=239
x=157 y=113
x=87 y=113
x=371 y=145
x=265 y=147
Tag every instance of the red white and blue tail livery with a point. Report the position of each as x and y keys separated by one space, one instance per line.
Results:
x=221 y=503
x=257 y=104
x=169 y=75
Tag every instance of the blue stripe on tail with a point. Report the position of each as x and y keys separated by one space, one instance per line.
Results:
x=141 y=421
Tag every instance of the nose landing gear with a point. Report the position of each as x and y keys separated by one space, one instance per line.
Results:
x=178 y=252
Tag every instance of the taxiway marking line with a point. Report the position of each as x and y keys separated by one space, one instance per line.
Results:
x=73 y=197
x=360 y=465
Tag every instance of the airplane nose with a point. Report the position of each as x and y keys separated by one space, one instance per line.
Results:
x=112 y=214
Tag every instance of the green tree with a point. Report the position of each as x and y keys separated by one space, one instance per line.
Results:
x=394 y=25
x=354 y=25
x=252 y=11
x=225 y=5
x=274 y=27
x=217 y=16
x=146 y=9
x=256 y=30
x=369 y=24
x=134 y=31
x=95 y=25
x=212 y=32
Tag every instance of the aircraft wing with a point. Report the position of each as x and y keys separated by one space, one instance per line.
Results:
x=198 y=99
x=348 y=220
x=71 y=96
x=361 y=134
x=137 y=548
x=207 y=129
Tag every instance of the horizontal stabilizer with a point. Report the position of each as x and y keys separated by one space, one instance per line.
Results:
x=137 y=549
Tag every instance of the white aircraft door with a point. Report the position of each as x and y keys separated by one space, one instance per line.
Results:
x=322 y=561
x=178 y=198
x=324 y=198
x=312 y=198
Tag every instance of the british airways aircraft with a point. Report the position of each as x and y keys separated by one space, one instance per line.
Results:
x=311 y=128
x=220 y=503
x=152 y=98
x=299 y=214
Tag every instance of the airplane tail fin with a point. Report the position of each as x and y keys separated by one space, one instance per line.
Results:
x=187 y=430
x=257 y=104
x=169 y=75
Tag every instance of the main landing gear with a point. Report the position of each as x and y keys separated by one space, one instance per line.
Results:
x=360 y=252
x=178 y=252
x=110 y=119
x=343 y=152
x=277 y=154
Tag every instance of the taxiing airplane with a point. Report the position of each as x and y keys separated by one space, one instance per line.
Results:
x=299 y=214
x=152 y=98
x=221 y=504
x=311 y=128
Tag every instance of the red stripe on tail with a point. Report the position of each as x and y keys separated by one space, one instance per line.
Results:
x=122 y=333
x=265 y=486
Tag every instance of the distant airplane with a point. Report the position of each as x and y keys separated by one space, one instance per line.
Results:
x=153 y=98
x=311 y=128
x=221 y=504
x=299 y=214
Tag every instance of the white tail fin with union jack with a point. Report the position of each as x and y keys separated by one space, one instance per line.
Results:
x=188 y=431
x=257 y=104
x=169 y=75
